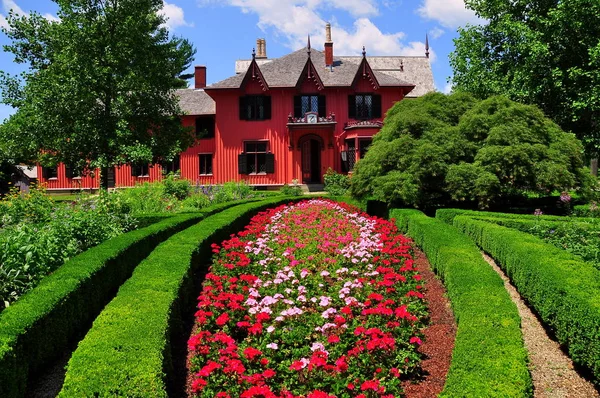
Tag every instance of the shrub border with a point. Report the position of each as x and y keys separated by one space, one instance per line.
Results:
x=489 y=358
x=563 y=289
x=46 y=320
x=135 y=331
x=448 y=215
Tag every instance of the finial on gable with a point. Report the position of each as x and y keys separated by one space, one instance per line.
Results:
x=426 y=45
x=253 y=53
x=364 y=53
x=308 y=46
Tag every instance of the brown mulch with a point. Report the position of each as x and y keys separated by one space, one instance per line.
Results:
x=439 y=335
x=438 y=342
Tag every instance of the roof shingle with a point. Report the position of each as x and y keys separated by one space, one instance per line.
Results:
x=394 y=71
x=196 y=102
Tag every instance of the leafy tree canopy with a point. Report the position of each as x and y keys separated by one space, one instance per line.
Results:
x=439 y=149
x=543 y=52
x=100 y=85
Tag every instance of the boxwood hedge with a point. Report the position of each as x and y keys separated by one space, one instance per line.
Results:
x=489 y=359
x=448 y=215
x=127 y=352
x=563 y=289
x=43 y=323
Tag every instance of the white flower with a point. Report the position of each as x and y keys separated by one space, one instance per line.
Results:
x=272 y=346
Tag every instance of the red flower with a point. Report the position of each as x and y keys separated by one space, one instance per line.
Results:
x=252 y=353
x=223 y=319
x=333 y=339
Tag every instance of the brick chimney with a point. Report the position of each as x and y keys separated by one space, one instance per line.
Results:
x=261 y=48
x=200 y=76
x=328 y=46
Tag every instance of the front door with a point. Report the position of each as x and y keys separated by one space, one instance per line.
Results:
x=311 y=162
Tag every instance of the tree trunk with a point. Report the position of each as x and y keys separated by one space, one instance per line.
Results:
x=594 y=167
x=104 y=178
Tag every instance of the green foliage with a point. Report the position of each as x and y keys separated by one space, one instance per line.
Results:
x=336 y=184
x=176 y=187
x=37 y=235
x=543 y=53
x=291 y=190
x=99 y=88
x=488 y=337
x=41 y=325
x=440 y=149
x=579 y=237
x=562 y=289
x=135 y=331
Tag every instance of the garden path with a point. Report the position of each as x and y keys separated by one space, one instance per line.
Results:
x=439 y=334
x=552 y=371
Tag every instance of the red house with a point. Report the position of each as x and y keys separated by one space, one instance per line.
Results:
x=279 y=120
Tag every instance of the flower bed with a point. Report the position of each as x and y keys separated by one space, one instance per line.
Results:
x=312 y=299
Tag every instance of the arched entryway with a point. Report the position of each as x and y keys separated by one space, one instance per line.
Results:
x=311 y=146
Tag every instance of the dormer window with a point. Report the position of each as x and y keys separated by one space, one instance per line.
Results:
x=309 y=103
x=364 y=106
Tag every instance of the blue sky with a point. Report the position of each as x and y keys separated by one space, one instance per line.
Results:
x=226 y=30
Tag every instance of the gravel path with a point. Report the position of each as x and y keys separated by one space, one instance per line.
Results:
x=551 y=369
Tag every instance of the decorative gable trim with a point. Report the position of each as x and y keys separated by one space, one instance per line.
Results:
x=310 y=72
x=254 y=74
x=365 y=71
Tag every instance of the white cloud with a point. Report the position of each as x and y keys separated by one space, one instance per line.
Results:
x=8 y=5
x=436 y=33
x=447 y=88
x=292 y=20
x=355 y=7
x=175 y=16
x=449 y=13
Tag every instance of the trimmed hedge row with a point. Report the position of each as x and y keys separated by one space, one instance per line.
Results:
x=563 y=289
x=127 y=352
x=448 y=215
x=489 y=359
x=42 y=324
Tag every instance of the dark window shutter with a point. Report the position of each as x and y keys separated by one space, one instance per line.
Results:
x=376 y=106
x=134 y=170
x=242 y=164
x=270 y=163
x=45 y=172
x=352 y=106
x=322 y=106
x=267 y=104
x=68 y=172
x=298 y=106
x=243 y=106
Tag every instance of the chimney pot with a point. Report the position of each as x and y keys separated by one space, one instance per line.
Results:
x=200 y=76
x=261 y=46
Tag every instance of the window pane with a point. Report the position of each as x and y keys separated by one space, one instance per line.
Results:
x=305 y=104
x=262 y=162
x=251 y=163
x=250 y=147
x=261 y=147
x=314 y=103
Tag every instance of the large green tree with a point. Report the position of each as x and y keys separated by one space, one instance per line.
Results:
x=543 y=52
x=441 y=150
x=99 y=88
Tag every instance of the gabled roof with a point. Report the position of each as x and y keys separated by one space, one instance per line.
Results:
x=196 y=102
x=285 y=72
x=415 y=69
x=254 y=73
